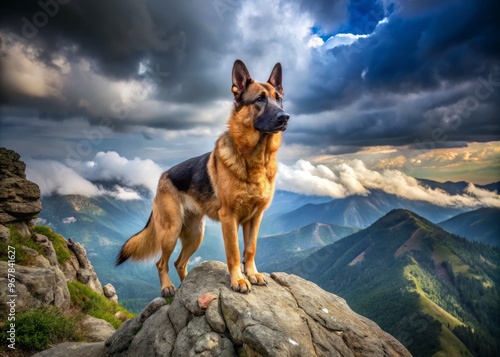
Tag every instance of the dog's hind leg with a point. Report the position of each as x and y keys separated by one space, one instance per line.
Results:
x=168 y=227
x=191 y=237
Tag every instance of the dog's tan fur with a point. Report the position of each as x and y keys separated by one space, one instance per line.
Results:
x=242 y=170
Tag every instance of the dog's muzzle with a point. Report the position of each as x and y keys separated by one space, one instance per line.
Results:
x=272 y=123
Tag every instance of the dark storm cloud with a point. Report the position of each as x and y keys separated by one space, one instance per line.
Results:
x=444 y=57
x=184 y=41
x=118 y=34
x=329 y=14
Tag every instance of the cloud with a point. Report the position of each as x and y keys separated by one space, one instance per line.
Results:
x=93 y=178
x=195 y=261
x=69 y=220
x=304 y=178
x=54 y=177
x=487 y=197
x=124 y=194
x=109 y=166
x=342 y=39
x=354 y=178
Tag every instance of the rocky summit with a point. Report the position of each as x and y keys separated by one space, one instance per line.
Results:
x=19 y=197
x=288 y=317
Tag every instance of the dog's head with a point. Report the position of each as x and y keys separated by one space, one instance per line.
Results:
x=262 y=102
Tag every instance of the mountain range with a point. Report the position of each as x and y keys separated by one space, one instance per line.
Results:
x=285 y=250
x=482 y=225
x=357 y=211
x=434 y=291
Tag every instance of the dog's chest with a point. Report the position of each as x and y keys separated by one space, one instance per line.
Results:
x=253 y=197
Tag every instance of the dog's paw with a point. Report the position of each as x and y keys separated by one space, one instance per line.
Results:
x=241 y=285
x=169 y=291
x=257 y=279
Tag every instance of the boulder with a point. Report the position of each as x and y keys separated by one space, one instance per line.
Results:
x=10 y=164
x=110 y=292
x=75 y=349
x=96 y=330
x=19 y=197
x=36 y=287
x=288 y=317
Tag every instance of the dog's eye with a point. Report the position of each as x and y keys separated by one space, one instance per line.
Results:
x=278 y=99
x=261 y=99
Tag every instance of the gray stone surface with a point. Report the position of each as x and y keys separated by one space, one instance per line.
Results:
x=36 y=287
x=19 y=197
x=156 y=336
x=110 y=292
x=119 y=343
x=86 y=273
x=75 y=349
x=288 y=317
x=47 y=248
x=96 y=330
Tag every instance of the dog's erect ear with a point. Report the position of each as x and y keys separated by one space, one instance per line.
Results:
x=275 y=79
x=241 y=79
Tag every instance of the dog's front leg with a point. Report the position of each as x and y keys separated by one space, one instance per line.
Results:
x=230 y=232
x=250 y=233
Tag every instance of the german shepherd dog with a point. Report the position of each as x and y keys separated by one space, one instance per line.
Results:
x=233 y=184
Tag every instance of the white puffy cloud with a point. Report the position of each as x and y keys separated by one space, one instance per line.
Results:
x=125 y=194
x=55 y=177
x=111 y=166
x=195 y=261
x=489 y=198
x=302 y=177
x=354 y=178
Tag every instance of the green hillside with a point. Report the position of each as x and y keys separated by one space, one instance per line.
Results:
x=434 y=291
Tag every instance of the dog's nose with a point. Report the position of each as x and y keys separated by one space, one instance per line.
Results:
x=283 y=117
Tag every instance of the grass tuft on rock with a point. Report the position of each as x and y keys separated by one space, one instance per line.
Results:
x=96 y=305
x=19 y=242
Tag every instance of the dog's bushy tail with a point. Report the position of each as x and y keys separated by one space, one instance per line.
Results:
x=141 y=245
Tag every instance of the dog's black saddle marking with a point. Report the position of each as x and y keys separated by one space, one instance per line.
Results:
x=192 y=174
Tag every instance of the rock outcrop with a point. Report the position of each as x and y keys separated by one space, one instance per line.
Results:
x=43 y=282
x=85 y=272
x=36 y=286
x=288 y=317
x=19 y=197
